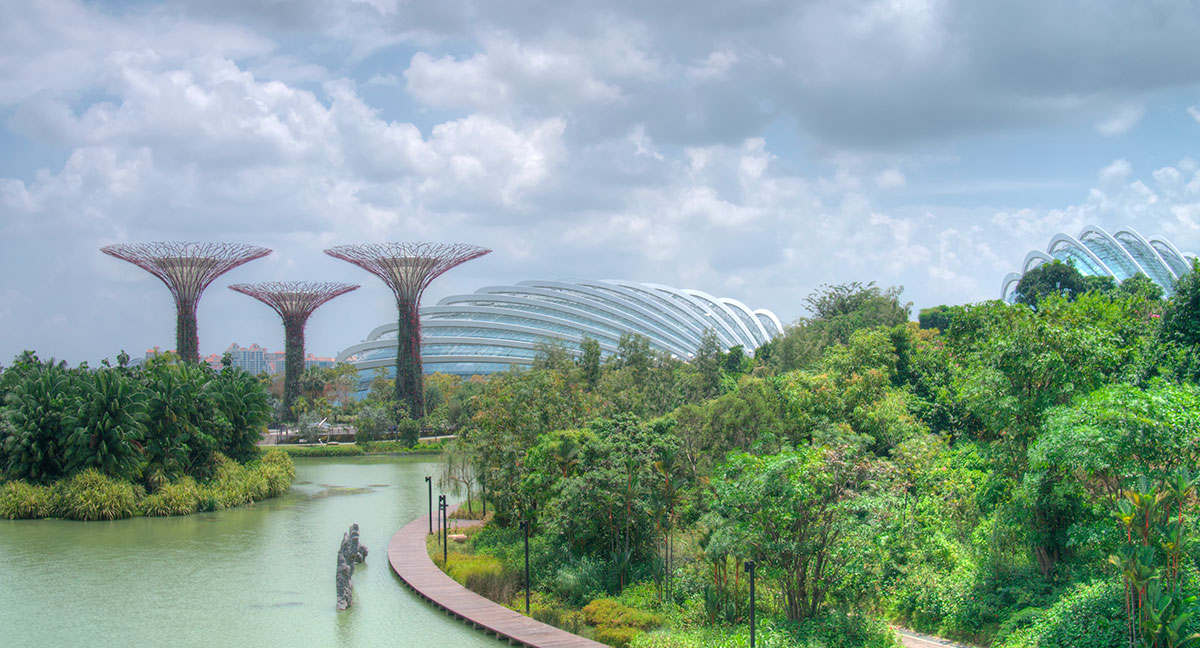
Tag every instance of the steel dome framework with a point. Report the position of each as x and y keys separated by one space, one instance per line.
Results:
x=499 y=326
x=1094 y=252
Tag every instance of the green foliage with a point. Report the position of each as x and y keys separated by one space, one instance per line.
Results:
x=795 y=513
x=1106 y=437
x=617 y=624
x=1181 y=324
x=91 y=495
x=589 y=361
x=19 y=500
x=324 y=450
x=408 y=431
x=112 y=415
x=936 y=317
x=1087 y=616
x=41 y=407
x=1054 y=278
x=176 y=498
x=485 y=575
x=838 y=311
x=372 y=423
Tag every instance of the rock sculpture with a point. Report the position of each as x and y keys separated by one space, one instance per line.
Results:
x=350 y=554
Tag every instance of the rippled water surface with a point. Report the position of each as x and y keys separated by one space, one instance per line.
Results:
x=257 y=576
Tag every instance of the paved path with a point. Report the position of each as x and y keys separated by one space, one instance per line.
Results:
x=410 y=560
x=912 y=639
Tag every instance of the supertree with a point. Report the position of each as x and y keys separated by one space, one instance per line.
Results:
x=187 y=269
x=408 y=268
x=295 y=301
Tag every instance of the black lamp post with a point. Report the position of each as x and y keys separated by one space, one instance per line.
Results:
x=525 y=527
x=750 y=572
x=429 y=483
x=445 y=529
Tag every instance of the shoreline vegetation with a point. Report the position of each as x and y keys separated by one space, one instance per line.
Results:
x=362 y=448
x=90 y=495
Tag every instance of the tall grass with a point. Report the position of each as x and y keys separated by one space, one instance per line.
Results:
x=19 y=500
x=92 y=496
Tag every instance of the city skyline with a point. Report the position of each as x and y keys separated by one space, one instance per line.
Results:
x=755 y=150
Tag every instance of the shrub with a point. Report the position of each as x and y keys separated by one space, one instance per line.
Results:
x=371 y=424
x=485 y=575
x=619 y=637
x=578 y=581
x=177 y=498
x=322 y=451
x=278 y=469
x=90 y=495
x=19 y=500
x=1090 y=615
x=609 y=612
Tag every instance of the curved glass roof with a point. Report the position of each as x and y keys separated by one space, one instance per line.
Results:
x=499 y=326
x=1094 y=252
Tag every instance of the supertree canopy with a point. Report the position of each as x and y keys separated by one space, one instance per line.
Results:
x=295 y=301
x=187 y=269
x=408 y=268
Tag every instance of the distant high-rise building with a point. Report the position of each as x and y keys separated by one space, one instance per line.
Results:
x=251 y=359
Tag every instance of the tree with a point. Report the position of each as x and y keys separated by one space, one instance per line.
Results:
x=795 y=514
x=838 y=311
x=589 y=362
x=936 y=317
x=1054 y=278
x=1139 y=285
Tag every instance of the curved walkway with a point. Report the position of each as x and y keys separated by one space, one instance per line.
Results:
x=410 y=560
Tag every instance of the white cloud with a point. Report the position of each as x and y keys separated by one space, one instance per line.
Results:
x=1122 y=120
x=890 y=179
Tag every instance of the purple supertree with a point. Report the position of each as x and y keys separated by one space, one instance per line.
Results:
x=187 y=269
x=408 y=268
x=295 y=301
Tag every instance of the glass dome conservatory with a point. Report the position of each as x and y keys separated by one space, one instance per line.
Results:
x=1094 y=252
x=500 y=326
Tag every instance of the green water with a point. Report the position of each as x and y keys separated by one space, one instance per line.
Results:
x=257 y=576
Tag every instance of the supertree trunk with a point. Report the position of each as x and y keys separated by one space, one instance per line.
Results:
x=408 y=268
x=294 y=301
x=187 y=340
x=293 y=366
x=187 y=269
x=410 y=384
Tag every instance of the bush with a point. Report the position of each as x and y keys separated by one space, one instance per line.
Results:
x=619 y=637
x=278 y=469
x=1090 y=615
x=618 y=624
x=409 y=431
x=485 y=575
x=19 y=501
x=322 y=451
x=371 y=424
x=177 y=498
x=609 y=612
x=90 y=495
x=578 y=581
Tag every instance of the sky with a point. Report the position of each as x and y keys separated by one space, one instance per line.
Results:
x=751 y=149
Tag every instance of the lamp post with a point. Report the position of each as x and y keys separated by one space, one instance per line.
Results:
x=445 y=529
x=525 y=528
x=750 y=571
x=429 y=483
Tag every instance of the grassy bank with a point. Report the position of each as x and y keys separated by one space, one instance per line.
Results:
x=364 y=448
x=90 y=495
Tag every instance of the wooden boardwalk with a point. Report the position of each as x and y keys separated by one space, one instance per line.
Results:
x=410 y=560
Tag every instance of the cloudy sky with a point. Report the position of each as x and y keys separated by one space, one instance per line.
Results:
x=752 y=149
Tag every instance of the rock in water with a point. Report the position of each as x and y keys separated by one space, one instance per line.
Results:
x=350 y=554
